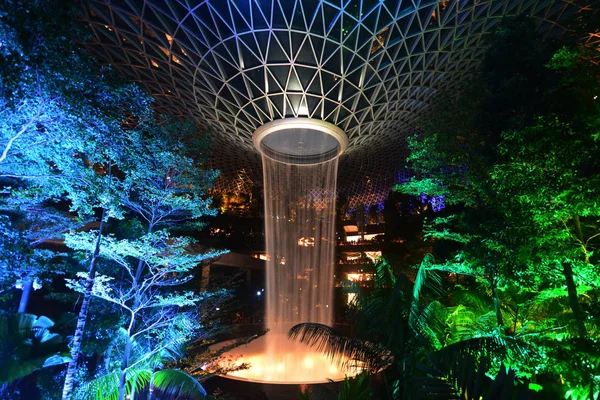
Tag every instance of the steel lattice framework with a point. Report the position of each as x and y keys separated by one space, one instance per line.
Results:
x=368 y=66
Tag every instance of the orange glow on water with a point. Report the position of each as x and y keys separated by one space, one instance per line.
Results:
x=287 y=362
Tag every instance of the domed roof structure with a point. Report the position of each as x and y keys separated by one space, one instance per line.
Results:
x=369 y=67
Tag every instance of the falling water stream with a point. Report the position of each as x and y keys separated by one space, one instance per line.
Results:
x=300 y=170
x=300 y=234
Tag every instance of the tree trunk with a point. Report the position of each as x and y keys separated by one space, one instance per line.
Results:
x=205 y=279
x=151 y=387
x=27 y=286
x=497 y=305
x=125 y=362
x=82 y=316
x=573 y=299
x=131 y=330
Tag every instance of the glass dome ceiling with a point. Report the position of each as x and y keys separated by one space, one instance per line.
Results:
x=369 y=67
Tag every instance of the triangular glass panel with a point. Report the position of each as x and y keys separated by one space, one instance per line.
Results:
x=293 y=83
x=251 y=56
x=315 y=86
x=281 y=39
x=290 y=111
x=295 y=101
x=241 y=19
x=354 y=77
x=273 y=85
x=315 y=21
x=287 y=7
x=312 y=102
x=328 y=108
x=278 y=18
x=333 y=64
x=277 y=102
x=305 y=75
x=298 y=21
x=281 y=75
x=302 y=52
x=261 y=11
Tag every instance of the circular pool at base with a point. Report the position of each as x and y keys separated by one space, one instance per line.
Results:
x=273 y=358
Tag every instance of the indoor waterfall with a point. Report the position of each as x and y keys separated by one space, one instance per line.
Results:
x=300 y=159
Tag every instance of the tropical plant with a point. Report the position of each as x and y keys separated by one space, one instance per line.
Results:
x=402 y=326
x=151 y=371
x=519 y=167
x=162 y=189
x=467 y=378
x=63 y=127
x=355 y=388
x=351 y=388
x=164 y=383
x=383 y=321
x=27 y=345
x=157 y=315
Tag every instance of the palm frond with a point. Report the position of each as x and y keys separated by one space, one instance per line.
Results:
x=384 y=276
x=476 y=299
x=429 y=323
x=427 y=318
x=341 y=349
x=493 y=346
x=467 y=380
x=356 y=388
x=462 y=323
x=174 y=383
x=427 y=278
x=106 y=387
x=378 y=314
x=137 y=379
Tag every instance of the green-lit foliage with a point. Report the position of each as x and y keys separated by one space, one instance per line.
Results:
x=148 y=373
x=467 y=378
x=516 y=155
x=106 y=387
x=175 y=383
x=387 y=322
x=400 y=325
x=170 y=383
x=356 y=388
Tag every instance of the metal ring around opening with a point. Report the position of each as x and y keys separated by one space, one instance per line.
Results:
x=300 y=141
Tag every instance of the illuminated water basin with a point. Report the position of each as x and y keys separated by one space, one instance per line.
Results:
x=273 y=358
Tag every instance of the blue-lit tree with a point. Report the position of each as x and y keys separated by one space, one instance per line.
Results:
x=62 y=124
x=162 y=189
x=24 y=264
x=73 y=133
